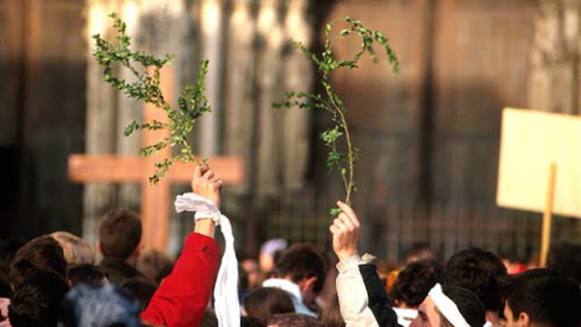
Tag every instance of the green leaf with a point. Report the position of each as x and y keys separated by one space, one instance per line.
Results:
x=334 y=212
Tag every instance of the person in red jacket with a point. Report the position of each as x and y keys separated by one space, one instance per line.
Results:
x=183 y=296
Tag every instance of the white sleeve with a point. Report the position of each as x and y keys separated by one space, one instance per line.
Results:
x=353 y=300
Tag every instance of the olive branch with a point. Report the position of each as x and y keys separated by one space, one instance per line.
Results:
x=146 y=88
x=342 y=153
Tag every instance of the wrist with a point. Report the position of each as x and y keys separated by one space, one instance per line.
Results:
x=205 y=227
x=343 y=255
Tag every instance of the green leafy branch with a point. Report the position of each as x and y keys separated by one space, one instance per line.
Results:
x=342 y=153
x=146 y=88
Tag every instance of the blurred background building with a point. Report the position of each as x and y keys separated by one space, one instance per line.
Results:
x=429 y=137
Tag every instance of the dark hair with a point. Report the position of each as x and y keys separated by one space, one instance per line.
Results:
x=480 y=271
x=140 y=289
x=294 y=320
x=209 y=319
x=302 y=261
x=566 y=257
x=468 y=304
x=332 y=314
x=37 y=302
x=42 y=253
x=251 y=322
x=120 y=233
x=155 y=265
x=265 y=302
x=547 y=296
x=87 y=274
x=415 y=281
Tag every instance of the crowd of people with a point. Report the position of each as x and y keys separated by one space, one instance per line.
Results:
x=54 y=280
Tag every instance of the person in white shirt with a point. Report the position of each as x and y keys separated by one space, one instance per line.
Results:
x=301 y=272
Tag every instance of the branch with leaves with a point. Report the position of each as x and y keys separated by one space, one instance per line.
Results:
x=342 y=153
x=146 y=88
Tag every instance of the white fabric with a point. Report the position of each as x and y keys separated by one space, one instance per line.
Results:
x=226 y=302
x=405 y=316
x=352 y=294
x=448 y=308
x=294 y=291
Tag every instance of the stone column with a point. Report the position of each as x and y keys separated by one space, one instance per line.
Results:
x=101 y=104
x=298 y=77
x=554 y=83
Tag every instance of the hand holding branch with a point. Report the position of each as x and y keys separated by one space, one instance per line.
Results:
x=345 y=230
x=205 y=183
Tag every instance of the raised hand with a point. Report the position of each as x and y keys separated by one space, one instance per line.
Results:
x=345 y=230
x=205 y=183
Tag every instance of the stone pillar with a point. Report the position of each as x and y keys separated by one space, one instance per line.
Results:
x=298 y=77
x=101 y=103
x=554 y=83
x=269 y=74
x=240 y=105
x=211 y=28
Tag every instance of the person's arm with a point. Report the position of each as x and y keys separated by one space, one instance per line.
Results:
x=183 y=296
x=362 y=297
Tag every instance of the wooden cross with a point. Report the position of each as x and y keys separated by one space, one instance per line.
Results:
x=155 y=199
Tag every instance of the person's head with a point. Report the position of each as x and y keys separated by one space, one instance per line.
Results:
x=480 y=271
x=566 y=257
x=120 y=234
x=332 y=314
x=155 y=265
x=41 y=253
x=141 y=290
x=419 y=251
x=294 y=320
x=436 y=311
x=100 y=307
x=265 y=302
x=86 y=274
x=415 y=281
x=304 y=266
x=268 y=252
x=542 y=297
x=250 y=267
x=37 y=302
x=75 y=249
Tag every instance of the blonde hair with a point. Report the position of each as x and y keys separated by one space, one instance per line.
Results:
x=75 y=249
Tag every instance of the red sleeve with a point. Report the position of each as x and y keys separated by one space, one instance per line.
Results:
x=183 y=296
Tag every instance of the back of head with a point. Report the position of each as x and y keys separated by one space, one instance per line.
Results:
x=415 y=281
x=155 y=265
x=265 y=302
x=37 y=302
x=75 y=249
x=566 y=257
x=547 y=296
x=86 y=274
x=480 y=271
x=100 y=307
x=42 y=253
x=302 y=261
x=119 y=234
x=468 y=304
x=293 y=320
